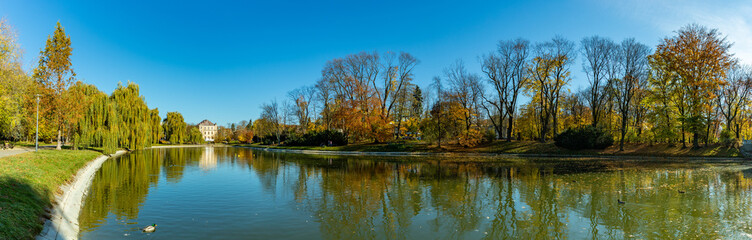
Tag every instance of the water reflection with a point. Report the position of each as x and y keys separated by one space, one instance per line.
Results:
x=208 y=159
x=389 y=198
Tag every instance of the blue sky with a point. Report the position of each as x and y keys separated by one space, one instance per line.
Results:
x=219 y=60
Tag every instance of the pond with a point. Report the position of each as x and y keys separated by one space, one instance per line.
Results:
x=237 y=193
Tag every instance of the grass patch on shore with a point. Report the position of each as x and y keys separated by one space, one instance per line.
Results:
x=529 y=147
x=28 y=182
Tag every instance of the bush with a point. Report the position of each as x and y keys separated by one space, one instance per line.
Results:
x=317 y=138
x=728 y=139
x=584 y=137
x=489 y=135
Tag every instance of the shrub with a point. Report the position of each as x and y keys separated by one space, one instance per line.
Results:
x=317 y=138
x=728 y=139
x=584 y=137
x=489 y=135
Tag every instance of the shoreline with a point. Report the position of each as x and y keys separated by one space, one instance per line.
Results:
x=64 y=213
x=471 y=154
x=63 y=221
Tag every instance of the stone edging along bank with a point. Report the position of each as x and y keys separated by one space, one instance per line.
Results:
x=63 y=222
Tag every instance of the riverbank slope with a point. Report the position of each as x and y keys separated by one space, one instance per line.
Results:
x=527 y=148
x=28 y=184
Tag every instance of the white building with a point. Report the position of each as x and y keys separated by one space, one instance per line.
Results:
x=208 y=130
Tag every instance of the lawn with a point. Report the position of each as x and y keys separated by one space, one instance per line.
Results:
x=28 y=182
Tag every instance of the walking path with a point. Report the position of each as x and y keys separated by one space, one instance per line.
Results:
x=14 y=151
x=18 y=150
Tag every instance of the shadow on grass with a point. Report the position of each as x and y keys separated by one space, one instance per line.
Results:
x=22 y=208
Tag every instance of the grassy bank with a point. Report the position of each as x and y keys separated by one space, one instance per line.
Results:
x=530 y=147
x=28 y=182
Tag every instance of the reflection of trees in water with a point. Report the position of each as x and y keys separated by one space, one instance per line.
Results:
x=176 y=159
x=121 y=185
x=353 y=197
x=520 y=200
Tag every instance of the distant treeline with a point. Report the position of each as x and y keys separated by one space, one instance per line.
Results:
x=689 y=89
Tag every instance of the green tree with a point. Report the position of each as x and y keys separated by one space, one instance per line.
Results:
x=156 y=129
x=174 y=128
x=135 y=117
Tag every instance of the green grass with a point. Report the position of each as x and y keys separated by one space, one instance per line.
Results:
x=28 y=182
x=529 y=147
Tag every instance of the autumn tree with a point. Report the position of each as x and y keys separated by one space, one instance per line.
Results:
x=549 y=73
x=464 y=95
x=14 y=84
x=699 y=57
x=54 y=75
x=359 y=92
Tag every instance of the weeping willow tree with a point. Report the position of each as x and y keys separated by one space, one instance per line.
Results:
x=155 y=124
x=134 y=117
x=175 y=129
x=121 y=120
x=99 y=126
x=194 y=135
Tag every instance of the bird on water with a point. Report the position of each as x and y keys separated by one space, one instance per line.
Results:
x=151 y=228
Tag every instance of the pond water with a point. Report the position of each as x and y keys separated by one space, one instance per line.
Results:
x=236 y=193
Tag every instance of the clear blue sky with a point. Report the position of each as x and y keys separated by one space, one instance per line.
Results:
x=219 y=60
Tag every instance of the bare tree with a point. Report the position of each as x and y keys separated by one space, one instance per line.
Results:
x=437 y=109
x=633 y=60
x=520 y=49
x=599 y=62
x=303 y=106
x=564 y=55
x=733 y=96
x=396 y=78
x=270 y=112
x=466 y=89
x=498 y=73
x=505 y=71
x=323 y=96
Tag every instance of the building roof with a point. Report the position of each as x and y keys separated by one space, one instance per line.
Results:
x=206 y=123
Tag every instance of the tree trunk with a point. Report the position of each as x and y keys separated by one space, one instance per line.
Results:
x=684 y=141
x=707 y=136
x=59 y=140
x=696 y=140
x=623 y=132
x=594 y=115
x=509 y=128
